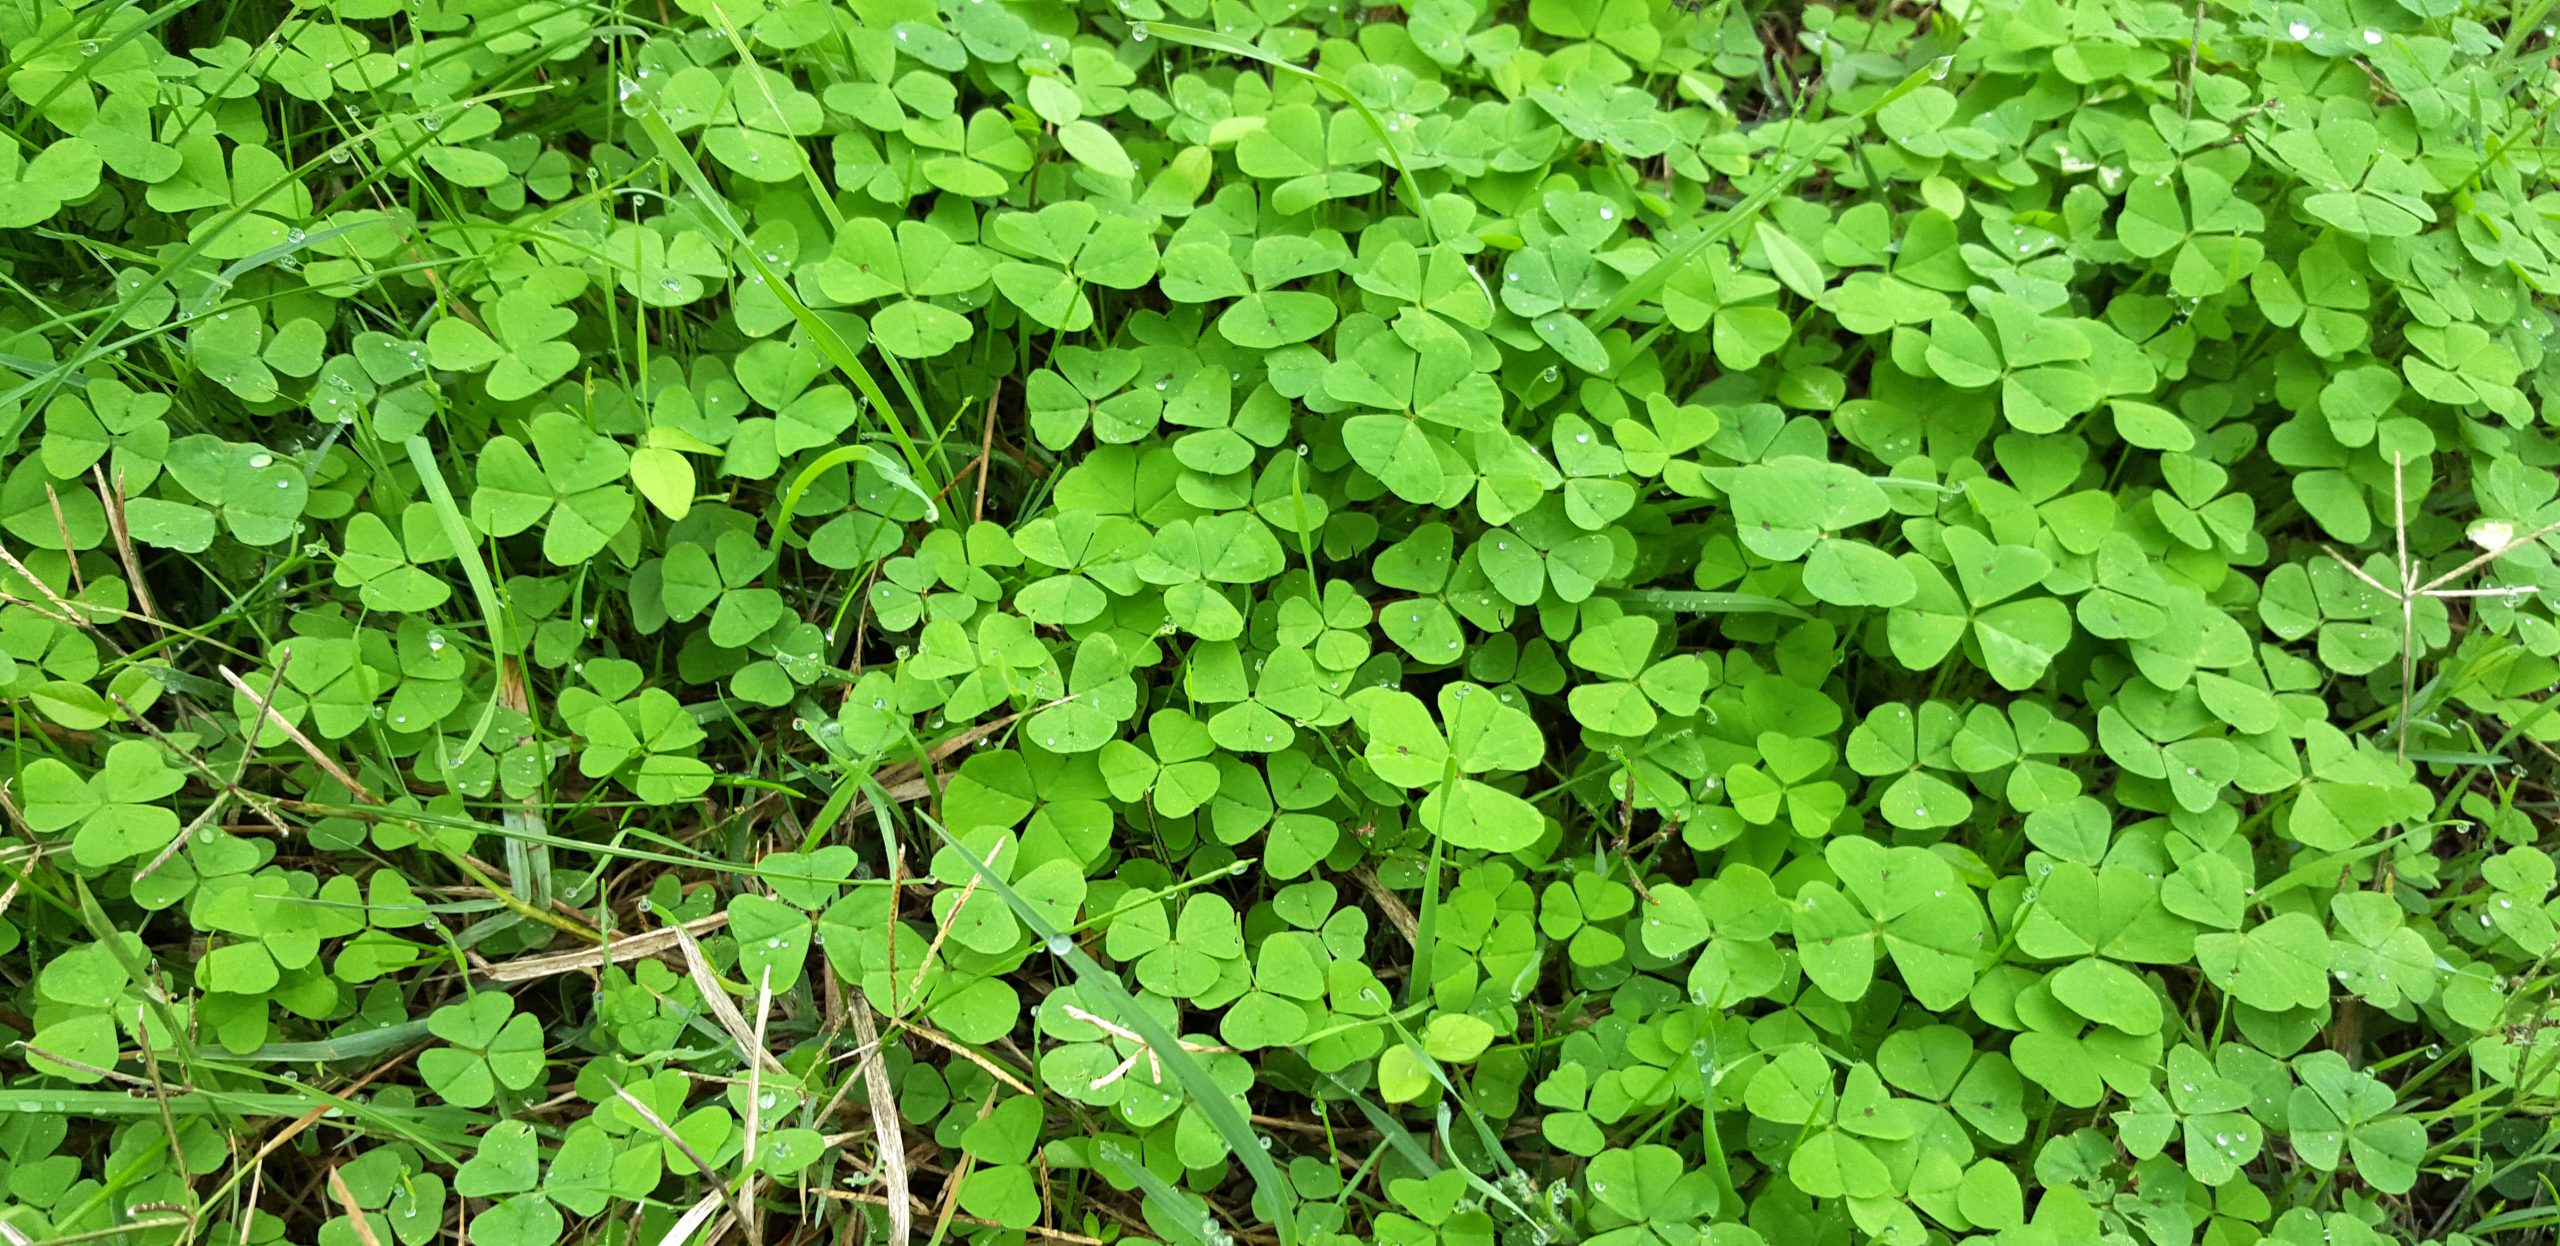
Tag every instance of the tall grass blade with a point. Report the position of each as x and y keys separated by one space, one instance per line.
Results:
x=1279 y=1198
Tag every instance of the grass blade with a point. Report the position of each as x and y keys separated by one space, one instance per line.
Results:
x=1232 y=1127
x=1691 y=601
x=1651 y=279
x=671 y=148
x=484 y=591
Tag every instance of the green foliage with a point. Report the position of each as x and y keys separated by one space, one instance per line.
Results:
x=1615 y=621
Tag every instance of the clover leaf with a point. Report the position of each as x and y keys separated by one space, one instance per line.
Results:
x=1475 y=734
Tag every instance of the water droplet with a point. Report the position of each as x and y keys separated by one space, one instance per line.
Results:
x=671 y=285
x=435 y=642
x=2300 y=31
x=259 y=462
x=2372 y=37
x=1137 y=32
x=1060 y=945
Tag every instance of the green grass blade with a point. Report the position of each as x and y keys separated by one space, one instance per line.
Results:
x=671 y=148
x=1650 y=280
x=1214 y=41
x=1232 y=1127
x=466 y=546
x=808 y=476
x=1692 y=601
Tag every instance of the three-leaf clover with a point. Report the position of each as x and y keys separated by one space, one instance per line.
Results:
x=1476 y=733
x=2015 y=637
x=116 y=811
x=524 y=357
x=1903 y=902
x=489 y=1045
x=577 y=483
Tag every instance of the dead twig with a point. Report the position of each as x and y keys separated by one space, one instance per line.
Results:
x=987 y=452
x=355 y=1213
x=674 y=1139
x=1390 y=904
x=887 y=1134
x=620 y=951
x=123 y=535
x=716 y=998
x=268 y=709
x=2498 y=539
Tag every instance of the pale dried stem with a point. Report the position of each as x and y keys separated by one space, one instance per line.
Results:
x=113 y=499
x=647 y=943
x=652 y=1120
x=62 y=528
x=888 y=1135
x=715 y=998
x=326 y=762
x=755 y=1116
x=943 y=931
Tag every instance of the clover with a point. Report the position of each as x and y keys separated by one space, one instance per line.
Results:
x=34 y=189
x=647 y=743
x=113 y=815
x=2016 y=640
x=1845 y=1122
x=489 y=1045
x=576 y=483
x=1905 y=903
x=1066 y=246
x=524 y=355
x=1475 y=733
x=913 y=262
x=2205 y=1111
